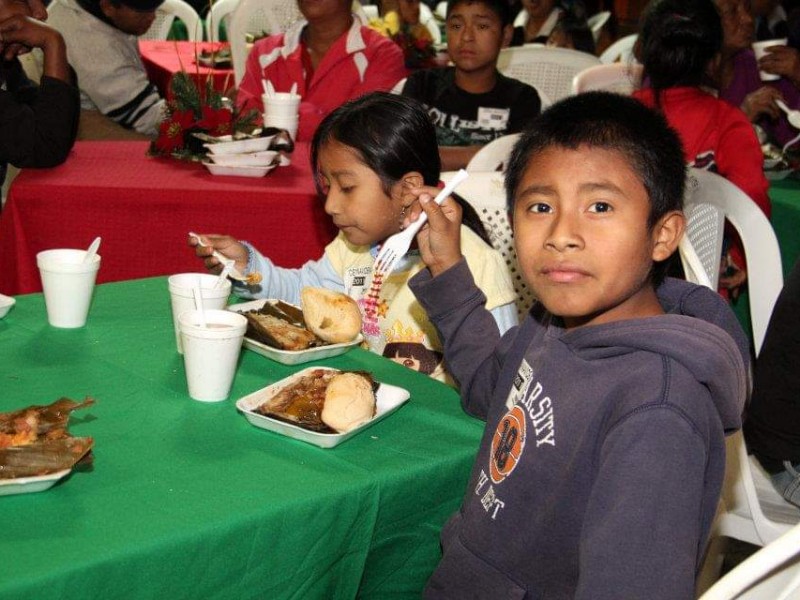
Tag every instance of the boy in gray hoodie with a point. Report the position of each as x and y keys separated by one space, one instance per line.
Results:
x=603 y=455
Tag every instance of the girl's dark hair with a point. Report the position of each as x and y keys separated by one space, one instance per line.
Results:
x=392 y=135
x=611 y=122
x=678 y=40
x=578 y=30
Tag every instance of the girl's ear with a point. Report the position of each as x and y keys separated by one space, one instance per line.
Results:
x=413 y=179
x=667 y=234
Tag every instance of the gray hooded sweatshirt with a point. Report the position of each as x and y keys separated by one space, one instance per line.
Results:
x=603 y=455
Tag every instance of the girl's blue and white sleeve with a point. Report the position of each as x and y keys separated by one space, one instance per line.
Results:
x=285 y=284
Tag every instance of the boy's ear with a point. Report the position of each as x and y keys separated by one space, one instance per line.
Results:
x=667 y=234
x=508 y=33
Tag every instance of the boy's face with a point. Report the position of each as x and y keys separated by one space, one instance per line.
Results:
x=538 y=9
x=12 y=8
x=475 y=36
x=126 y=19
x=582 y=241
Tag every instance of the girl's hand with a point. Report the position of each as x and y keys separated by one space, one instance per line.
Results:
x=783 y=61
x=224 y=244
x=762 y=102
x=439 y=240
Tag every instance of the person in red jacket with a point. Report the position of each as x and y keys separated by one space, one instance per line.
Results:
x=680 y=46
x=330 y=56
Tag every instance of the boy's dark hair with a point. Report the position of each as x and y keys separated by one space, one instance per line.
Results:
x=499 y=7
x=393 y=135
x=578 y=30
x=612 y=122
x=678 y=39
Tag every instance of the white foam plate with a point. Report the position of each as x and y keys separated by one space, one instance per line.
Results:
x=6 y=302
x=228 y=146
x=250 y=159
x=777 y=175
x=27 y=485
x=388 y=399
x=290 y=357
x=240 y=171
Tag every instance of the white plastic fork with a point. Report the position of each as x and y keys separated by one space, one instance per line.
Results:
x=227 y=263
x=397 y=245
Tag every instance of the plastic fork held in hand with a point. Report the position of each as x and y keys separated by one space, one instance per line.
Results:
x=397 y=245
x=227 y=263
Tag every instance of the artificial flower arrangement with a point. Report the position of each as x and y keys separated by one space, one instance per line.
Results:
x=202 y=110
x=414 y=40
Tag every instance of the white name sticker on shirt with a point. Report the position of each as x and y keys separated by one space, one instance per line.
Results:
x=493 y=118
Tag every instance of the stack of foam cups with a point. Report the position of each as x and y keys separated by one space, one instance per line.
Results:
x=281 y=111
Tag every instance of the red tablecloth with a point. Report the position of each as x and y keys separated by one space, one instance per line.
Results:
x=143 y=208
x=162 y=59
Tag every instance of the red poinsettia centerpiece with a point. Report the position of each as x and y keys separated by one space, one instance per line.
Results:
x=197 y=109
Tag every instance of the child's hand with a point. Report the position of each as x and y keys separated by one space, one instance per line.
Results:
x=224 y=244
x=440 y=239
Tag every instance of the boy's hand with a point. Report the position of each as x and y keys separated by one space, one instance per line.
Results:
x=224 y=244
x=439 y=240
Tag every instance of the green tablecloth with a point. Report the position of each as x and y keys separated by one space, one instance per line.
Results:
x=188 y=500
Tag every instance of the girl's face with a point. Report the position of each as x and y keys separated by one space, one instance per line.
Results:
x=354 y=196
x=409 y=11
x=538 y=9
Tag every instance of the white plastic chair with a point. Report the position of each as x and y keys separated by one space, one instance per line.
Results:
x=486 y=194
x=597 y=21
x=621 y=50
x=493 y=155
x=257 y=17
x=219 y=14
x=371 y=11
x=550 y=70
x=167 y=13
x=441 y=10
x=426 y=18
x=620 y=78
x=765 y=278
x=772 y=573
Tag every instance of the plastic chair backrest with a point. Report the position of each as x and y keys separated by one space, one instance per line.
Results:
x=701 y=246
x=597 y=21
x=494 y=155
x=426 y=18
x=772 y=573
x=486 y=193
x=371 y=10
x=167 y=13
x=219 y=14
x=620 y=78
x=621 y=50
x=521 y=19
x=257 y=17
x=764 y=282
x=441 y=10
x=398 y=87
x=550 y=70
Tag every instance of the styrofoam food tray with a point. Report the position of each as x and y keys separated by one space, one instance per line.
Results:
x=237 y=171
x=388 y=399
x=27 y=485
x=249 y=159
x=230 y=146
x=290 y=357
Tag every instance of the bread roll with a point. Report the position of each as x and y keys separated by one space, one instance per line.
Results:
x=349 y=402
x=331 y=316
